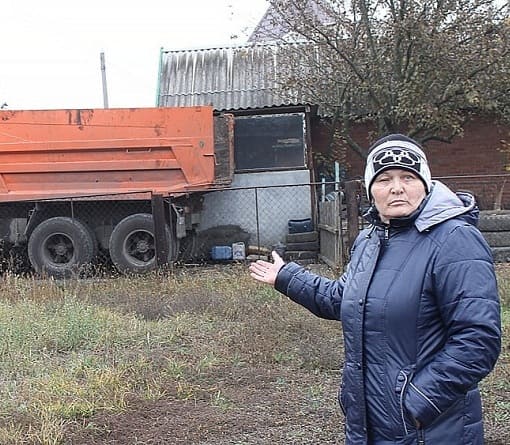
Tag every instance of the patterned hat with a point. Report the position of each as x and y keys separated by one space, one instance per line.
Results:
x=396 y=151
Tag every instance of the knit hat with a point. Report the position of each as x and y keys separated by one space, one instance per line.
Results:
x=396 y=151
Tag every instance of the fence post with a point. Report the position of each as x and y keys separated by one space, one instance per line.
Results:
x=352 y=207
x=160 y=238
x=257 y=217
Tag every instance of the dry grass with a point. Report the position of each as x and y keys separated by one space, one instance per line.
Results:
x=199 y=356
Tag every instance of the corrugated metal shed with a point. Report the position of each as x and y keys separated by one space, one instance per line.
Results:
x=228 y=78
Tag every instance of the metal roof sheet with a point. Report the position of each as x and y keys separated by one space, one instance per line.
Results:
x=227 y=78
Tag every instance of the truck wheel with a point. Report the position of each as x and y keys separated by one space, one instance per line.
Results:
x=132 y=244
x=494 y=221
x=93 y=237
x=60 y=246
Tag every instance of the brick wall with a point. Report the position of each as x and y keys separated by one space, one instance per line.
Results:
x=474 y=156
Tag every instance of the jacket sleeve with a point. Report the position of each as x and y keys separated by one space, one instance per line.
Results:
x=320 y=295
x=467 y=298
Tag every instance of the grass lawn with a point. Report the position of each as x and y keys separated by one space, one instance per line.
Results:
x=199 y=356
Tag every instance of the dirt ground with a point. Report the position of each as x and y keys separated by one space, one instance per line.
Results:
x=260 y=407
x=257 y=406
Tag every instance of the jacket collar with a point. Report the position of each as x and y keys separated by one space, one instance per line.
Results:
x=439 y=205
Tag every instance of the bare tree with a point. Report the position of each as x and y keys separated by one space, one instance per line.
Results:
x=418 y=66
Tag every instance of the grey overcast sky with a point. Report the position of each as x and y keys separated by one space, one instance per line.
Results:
x=50 y=50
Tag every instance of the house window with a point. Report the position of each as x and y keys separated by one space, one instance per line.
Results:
x=270 y=142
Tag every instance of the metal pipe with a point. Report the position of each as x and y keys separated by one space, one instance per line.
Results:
x=103 y=76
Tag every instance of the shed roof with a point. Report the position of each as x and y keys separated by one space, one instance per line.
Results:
x=227 y=78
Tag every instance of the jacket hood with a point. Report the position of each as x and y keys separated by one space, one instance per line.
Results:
x=440 y=205
x=443 y=204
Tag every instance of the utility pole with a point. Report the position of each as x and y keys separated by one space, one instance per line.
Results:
x=103 y=74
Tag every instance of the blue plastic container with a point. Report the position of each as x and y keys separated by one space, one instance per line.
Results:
x=221 y=253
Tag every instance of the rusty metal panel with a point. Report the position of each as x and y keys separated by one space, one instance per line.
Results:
x=72 y=153
x=224 y=148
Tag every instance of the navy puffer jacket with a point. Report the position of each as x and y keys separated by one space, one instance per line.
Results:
x=420 y=314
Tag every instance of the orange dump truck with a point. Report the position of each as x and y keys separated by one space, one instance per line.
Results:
x=75 y=184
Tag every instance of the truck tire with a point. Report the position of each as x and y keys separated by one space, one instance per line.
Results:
x=60 y=247
x=132 y=244
x=501 y=254
x=93 y=237
x=497 y=239
x=306 y=245
x=302 y=237
x=494 y=221
x=300 y=255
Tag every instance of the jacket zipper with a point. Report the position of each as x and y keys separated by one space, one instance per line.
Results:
x=342 y=406
x=419 y=431
x=402 y=402
x=421 y=436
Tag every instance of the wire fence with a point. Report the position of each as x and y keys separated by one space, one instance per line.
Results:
x=260 y=215
x=135 y=233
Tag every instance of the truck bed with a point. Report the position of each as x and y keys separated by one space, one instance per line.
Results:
x=100 y=153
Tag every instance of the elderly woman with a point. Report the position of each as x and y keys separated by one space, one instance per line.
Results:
x=418 y=304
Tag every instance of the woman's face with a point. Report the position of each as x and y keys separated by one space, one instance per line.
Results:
x=397 y=193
